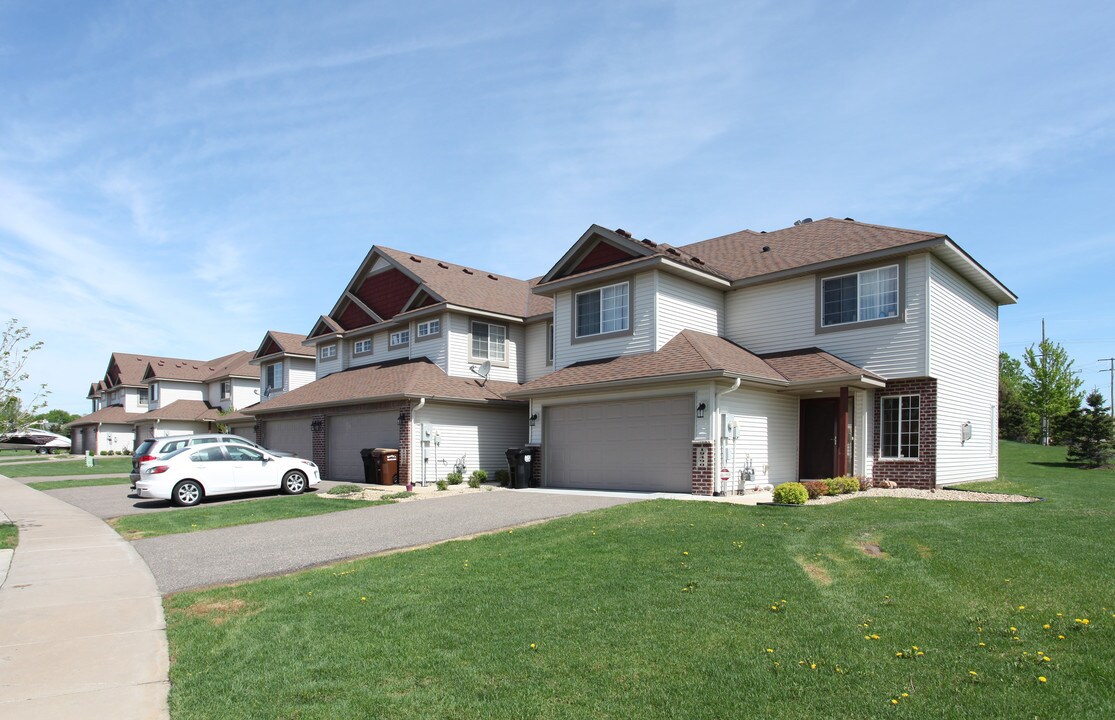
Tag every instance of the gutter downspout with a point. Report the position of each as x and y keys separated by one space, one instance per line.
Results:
x=413 y=412
x=723 y=437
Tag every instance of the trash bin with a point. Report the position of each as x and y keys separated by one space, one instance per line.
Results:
x=520 y=465
x=369 y=465
x=385 y=466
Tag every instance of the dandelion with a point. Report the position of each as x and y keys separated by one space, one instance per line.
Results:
x=363 y=599
x=1045 y=626
x=770 y=650
x=1021 y=607
x=1060 y=637
x=812 y=666
x=973 y=673
x=1013 y=629
x=893 y=701
x=534 y=646
x=685 y=553
x=905 y=694
x=920 y=653
x=1041 y=678
x=1044 y=658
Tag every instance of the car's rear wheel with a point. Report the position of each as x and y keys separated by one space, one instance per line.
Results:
x=294 y=483
x=187 y=493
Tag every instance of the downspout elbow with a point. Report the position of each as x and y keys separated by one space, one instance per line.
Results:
x=732 y=389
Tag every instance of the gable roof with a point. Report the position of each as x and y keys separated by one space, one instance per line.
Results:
x=190 y=410
x=201 y=370
x=236 y=365
x=113 y=415
x=690 y=355
x=281 y=343
x=418 y=378
x=129 y=369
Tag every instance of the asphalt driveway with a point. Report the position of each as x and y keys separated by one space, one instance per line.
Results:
x=226 y=555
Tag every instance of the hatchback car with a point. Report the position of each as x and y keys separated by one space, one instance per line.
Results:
x=157 y=447
x=189 y=474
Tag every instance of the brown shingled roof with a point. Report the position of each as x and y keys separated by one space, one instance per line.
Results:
x=814 y=365
x=113 y=414
x=234 y=365
x=132 y=367
x=740 y=255
x=192 y=410
x=290 y=343
x=386 y=381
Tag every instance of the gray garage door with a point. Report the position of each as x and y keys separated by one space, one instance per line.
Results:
x=349 y=434
x=622 y=445
x=244 y=431
x=293 y=436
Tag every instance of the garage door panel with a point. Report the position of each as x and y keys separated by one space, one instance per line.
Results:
x=349 y=434
x=292 y=436
x=622 y=445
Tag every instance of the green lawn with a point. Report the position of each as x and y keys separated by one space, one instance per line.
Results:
x=10 y=456
x=9 y=536
x=227 y=514
x=672 y=609
x=102 y=466
x=90 y=482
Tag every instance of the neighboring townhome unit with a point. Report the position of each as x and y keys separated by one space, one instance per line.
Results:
x=119 y=399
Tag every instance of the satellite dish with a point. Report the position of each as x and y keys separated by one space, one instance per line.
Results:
x=483 y=370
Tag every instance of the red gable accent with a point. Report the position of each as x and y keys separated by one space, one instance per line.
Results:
x=351 y=316
x=386 y=293
x=426 y=301
x=270 y=348
x=114 y=374
x=602 y=255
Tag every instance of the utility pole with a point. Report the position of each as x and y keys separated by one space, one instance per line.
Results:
x=1043 y=390
x=1111 y=393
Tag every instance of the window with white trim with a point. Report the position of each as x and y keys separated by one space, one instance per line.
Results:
x=900 y=421
x=428 y=328
x=328 y=352
x=362 y=347
x=273 y=377
x=860 y=296
x=603 y=310
x=489 y=342
x=226 y=389
x=154 y=392
x=400 y=338
x=143 y=396
x=549 y=343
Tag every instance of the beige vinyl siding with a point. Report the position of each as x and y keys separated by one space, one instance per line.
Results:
x=481 y=435
x=299 y=372
x=166 y=428
x=535 y=365
x=435 y=348
x=768 y=433
x=684 y=305
x=113 y=437
x=640 y=340
x=171 y=391
x=244 y=393
x=964 y=357
x=459 y=347
x=782 y=316
x=131 y=401
x=330 y=366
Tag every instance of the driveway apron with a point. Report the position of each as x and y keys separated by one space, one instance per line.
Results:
x=226 y=555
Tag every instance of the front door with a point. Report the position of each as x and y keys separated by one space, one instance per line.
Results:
x=817 y=446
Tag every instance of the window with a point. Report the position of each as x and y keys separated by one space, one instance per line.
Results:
x=900 y=425
x=362 y=346
x=273 y=377
x=399 y=338
x=243 y=454
x=209 y=454
x=602 y=311
x=489 y=342
x=549 y=343
x=226 y=389
x=154 y=392
x=327 y=352
x=429 y=328
x=143 y=396
x=860 y=296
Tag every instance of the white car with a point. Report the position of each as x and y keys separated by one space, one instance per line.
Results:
x=187 y=475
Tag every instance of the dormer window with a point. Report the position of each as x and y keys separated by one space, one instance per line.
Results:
x=362 y=347
x=430 y=328
x=143 y=396
x=273 y=377
x=226 y=389
x=328 y=352
x=154 y=392
x=399 y=338
x=603 y=311
x=858 y=297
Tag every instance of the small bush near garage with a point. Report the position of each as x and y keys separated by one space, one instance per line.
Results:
x=474 y=482
x=816 y=488
x=503 y=478
x=792 y=493
x=442 y=484
x=480 y=476
x=454 y=478
x=848 y=484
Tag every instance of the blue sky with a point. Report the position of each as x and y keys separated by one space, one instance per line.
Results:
x=178 y=178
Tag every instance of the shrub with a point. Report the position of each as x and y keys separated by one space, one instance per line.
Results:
x=442 y=485
x=473 y=482
x=344 y=489
x=503 y=477
x=864 y=484
x=834 y=487
x=816 y=488
x=849 y=484
x=791 y=493
x=480 y=476
x=454 y=478
x=104 y=452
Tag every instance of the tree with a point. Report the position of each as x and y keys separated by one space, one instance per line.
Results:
x=15 y=349
x=1051 y=389
x=1091 y=431
x=55 y=421
x=1015 y=422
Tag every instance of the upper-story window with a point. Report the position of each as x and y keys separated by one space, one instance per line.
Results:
x=489 y=342
x=603 y=310
x=399 y=338
x=428 y=328
x=549 y=343
x=226 y=389
x=327 y=352
x=273 y=377
x=154 y=392
x=860 y=296
x=361 y=347
x=143 y=396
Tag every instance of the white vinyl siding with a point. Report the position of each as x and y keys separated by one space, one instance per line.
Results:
x=683 y=305
x=328 y=367
x=641 y=338
x=783 y=315
x=480 y=435
x=172 y=391
x=459 y=351
x=536 y=344
x=300 y=372
x=327 y=352
x=964 y=357
x=768 y=433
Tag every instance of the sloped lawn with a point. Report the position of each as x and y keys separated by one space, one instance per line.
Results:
x=64 y=468
x=668 y=609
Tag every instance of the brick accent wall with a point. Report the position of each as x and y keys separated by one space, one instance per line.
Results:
x=536 y=466
x=320 y=443
x=258 y=428
x=404 y=445
x=920 y=473
x=703 y=469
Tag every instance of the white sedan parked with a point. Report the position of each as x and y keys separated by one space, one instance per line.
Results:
x=186 y=476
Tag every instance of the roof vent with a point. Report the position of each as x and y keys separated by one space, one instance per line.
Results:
x=493 y=277
x=650 y=243
x=621 y=231
x=443 y=265
x=766 y=248
x=414 y=259
x=803 y=221
x=672 y=251
x=850 y=219
x=697 y=260
x=466 y=271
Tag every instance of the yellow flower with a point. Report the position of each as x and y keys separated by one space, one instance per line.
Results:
x=898 y=654
x=1041 y=678
x=812 y=666
x=920 y=653
x=1060 y=637
x=914 y=647
x=533 y=646
x=770 y=650
x=983 y=644
x=363 y=599
x=905 y=694
x=686 y=553
x=1021 y=607
x=1045 y=626
x=893 y=701
x=973 y=673
x=1013 y=628
x=1044 y=658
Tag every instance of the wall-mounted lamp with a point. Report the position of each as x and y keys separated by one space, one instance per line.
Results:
x=533 y=419
x=403 y=419
x=701 y=410
x=316 y=425
x=965 y=432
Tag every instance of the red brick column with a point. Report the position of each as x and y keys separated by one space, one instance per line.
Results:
x=320 y=443
x=703 y=470
x=536 y=465
x=920 y=473
x=258 y=427
x=404 y=444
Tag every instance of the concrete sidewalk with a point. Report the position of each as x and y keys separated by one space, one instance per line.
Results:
x=81 y=620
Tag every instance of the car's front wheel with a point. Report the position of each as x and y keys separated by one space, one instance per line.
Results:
x=294 y=483
x=187 y=493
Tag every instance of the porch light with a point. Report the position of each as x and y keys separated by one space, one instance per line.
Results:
x=701 y=410
x=402 y=419
x=533 y=419
x=316 y=425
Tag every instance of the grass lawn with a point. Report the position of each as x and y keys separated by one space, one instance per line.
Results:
x=9 y=536
x=218 y=515
x=9 y=456
x=90 y=482
x=102 y=466
x=671 y=609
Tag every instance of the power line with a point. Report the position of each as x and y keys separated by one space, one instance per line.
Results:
x=1111 y=393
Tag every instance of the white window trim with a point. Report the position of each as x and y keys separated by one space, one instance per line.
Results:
x=628 y=330
x=143 y=397
x=883 y=423
x=394 y=340
x=356 y=346
x=225 y=395
x=505 y=362
x=327 y=352
x=419 y=335
x=275 y=370
x=551 y=340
